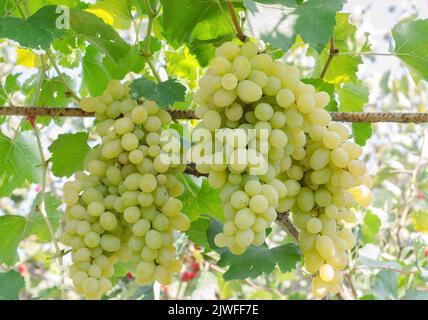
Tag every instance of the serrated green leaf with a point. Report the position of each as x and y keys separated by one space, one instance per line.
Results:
x=36 y=225
x=95 y=76
x=198 y=231
x=12 y=229
x=420 y=221
x=343 y=68
x=362 y=132
x=131 y=62
x=386 y=285
x=10 y=284
x=99 y=34
x=199 y=199
x=53 y=92
x=255 y=260
x=68 y=152
x=165 y=94
x=113 y=12
x=182 y=17
x=278 y=22
x=183 y=65
x=352 y=98
x=321 y=85
x=371 y=225
x=19 y=161
x=15 y=228
x=36 y=32
x=411 y=45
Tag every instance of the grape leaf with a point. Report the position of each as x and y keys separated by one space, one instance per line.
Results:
x=352 y=98
x=12 y=229
x=132 y=62
x=10 y=284
x=411 y=45
x=113 y=12
x=343 y=68
x=256 y=260
x=15 y=228
x=371 y=225
x=95 y=76
x=68 y=152
x=201 y=24
x=37 y=32
x=278 y=22
x=165 y=94
x=386 y=285
x=420 y=221
x=35 y=5
x=362 y=132
x=321 y=85
x=19 y=161
x=198 y=199
x=54 y=92
x=182 y=64
x=98 y=33
x=198 y=231
x=36 y=224
x=181 y=17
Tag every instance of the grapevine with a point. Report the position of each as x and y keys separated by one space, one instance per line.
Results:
x=125 y=207
x=297 y=160
x=221 y=150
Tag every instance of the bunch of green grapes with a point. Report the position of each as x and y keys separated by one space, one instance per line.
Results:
x=311 y=169
x=124 y=205
x=239 y=95
x=323 y=180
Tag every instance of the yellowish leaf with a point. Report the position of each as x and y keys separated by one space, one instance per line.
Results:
x=420 y=221
x=103 y=14
x=27 y=58
x=113 y=12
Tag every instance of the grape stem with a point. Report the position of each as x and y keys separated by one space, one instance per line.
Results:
x=412 y=193
x=44 y=165
x=239 y=34
x=332 y=53
x=61 y=77
x=284 y=221
x=146 y=52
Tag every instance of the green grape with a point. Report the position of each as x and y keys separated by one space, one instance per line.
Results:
x=123 y=125
x=244 y=238
x=249 y=91
x=241 y=67
x=258 y=203
x=263 y=112
x=131 y=214
x=244 y=218
x=325 y=246
x=153 y=239
x=314 y=225
x=108 y=221
x=229 y=81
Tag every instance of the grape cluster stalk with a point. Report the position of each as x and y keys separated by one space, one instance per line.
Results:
x=274 y=148
x=124 y=206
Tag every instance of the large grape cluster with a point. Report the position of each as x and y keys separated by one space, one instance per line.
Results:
x=124 y=205
x=309 y=166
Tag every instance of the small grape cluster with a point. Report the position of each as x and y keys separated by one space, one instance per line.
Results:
x=124 y=205
x=310 y=167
